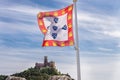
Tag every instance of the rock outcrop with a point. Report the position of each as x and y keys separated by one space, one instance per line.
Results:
x=14 y=78
x=63 y=77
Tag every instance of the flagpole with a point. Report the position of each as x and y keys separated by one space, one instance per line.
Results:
x=77 y=41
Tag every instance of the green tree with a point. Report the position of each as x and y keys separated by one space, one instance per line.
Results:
x=3 y=77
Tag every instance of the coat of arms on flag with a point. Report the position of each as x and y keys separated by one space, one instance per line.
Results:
x=57 y=27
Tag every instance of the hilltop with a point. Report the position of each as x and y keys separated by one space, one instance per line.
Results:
x=41 y=71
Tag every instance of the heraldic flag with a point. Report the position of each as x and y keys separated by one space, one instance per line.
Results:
x=57 y=27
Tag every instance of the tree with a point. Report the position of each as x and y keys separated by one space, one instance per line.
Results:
x=3 y=77
x=38 y=74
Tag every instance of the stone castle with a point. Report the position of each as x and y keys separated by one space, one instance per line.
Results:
x=45 y=64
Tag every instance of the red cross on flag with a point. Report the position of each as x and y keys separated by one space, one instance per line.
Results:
x=57 y=27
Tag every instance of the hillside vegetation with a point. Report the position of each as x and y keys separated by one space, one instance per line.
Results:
x=38 y=74
x=35 y=74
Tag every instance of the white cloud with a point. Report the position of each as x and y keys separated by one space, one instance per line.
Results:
x=102 y=20
x=115 y=34
x=98 y=26
x=26 y=9
x=105 y=49
x=18 y=27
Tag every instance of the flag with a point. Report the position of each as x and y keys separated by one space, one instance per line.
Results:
x=57 y=27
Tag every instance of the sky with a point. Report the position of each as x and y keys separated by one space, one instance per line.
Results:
x=99 y=38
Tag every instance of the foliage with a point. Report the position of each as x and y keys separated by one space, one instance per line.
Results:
x=2 y=77
x=38 y=74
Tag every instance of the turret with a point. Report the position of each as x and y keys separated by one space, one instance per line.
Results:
x=52 y=64
x=45 y=61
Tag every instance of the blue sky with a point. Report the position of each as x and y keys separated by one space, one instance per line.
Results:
x=99 y=38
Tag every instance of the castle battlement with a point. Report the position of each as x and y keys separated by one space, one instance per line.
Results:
x=45 y=64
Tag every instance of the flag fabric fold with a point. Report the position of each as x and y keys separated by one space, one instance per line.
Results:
x=57 y=27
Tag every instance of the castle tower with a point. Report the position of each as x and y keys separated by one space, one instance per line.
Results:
x=52 y=64
x=45 y=61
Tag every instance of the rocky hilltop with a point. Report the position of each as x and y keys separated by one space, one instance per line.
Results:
x=14 y=78
x=41 y=71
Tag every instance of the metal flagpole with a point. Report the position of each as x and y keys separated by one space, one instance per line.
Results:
x=77 y=41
